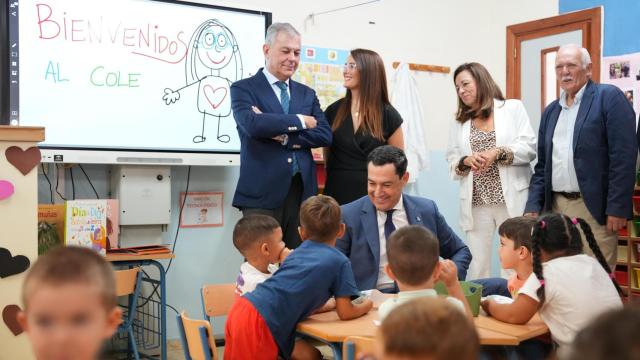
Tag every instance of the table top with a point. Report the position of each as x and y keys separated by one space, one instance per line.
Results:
x=535 y=327
x=133 y=257
x=328 y=327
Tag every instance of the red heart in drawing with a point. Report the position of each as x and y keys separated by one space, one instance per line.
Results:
x=10 y=317
x=23 y=160
x=216 y=96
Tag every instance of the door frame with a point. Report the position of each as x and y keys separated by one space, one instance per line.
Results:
x=589 y=21
x=543 y=73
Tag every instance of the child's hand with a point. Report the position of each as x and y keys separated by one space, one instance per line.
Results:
x=283 y=254
x=367 y=304
x=448 y=273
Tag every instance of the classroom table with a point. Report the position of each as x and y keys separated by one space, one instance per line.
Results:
x=131 y=260
x=329 y=329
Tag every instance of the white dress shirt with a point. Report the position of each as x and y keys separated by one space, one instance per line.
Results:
x=399 y=219
x=563 y=171
x=273 y=81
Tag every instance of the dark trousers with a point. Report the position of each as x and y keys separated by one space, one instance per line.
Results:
x=287 y=215
x=493 y=286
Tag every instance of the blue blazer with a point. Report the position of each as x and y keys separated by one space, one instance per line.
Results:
x=361 y=241
x=266 y=164
x=604 y=154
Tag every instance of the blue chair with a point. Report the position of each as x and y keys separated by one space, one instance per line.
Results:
x=354 y=345
x=197 y=338
x=128 y=284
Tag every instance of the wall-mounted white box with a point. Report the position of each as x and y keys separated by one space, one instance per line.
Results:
x=144 y=193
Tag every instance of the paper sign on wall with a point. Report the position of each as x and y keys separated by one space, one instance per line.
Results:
x=202 y=209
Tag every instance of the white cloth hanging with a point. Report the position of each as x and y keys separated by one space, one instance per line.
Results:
x=406 y=99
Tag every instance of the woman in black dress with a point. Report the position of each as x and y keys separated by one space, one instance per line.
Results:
x=361 y=121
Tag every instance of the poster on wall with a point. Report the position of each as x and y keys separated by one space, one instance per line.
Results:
x=202 y=209
x=321 y=70
x=624 y=72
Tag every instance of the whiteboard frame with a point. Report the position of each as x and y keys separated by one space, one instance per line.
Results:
x=128 y=156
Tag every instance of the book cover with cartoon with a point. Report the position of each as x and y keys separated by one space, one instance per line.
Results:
x=86 y=224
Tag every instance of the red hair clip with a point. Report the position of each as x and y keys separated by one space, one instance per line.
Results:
x=574 y=221
x=542 y=224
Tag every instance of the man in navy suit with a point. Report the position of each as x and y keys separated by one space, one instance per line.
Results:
x=279 y=121
x=586 y=153
x=372 y=218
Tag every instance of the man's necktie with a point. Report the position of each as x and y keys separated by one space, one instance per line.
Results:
x=284 y=102
x=388 y=224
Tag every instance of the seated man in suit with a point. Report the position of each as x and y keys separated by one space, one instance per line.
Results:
x=371 y=219
x=279 y=120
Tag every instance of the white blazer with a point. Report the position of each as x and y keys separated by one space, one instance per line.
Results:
x=514 y=131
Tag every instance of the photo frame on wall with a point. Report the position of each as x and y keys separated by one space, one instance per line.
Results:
x=202 y=209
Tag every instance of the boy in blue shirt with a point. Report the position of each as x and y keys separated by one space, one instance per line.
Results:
x=262 y=323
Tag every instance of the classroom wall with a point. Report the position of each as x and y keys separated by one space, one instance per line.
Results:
x=621 y=25
x=429 y=32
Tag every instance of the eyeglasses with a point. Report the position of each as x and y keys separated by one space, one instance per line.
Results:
x=350 y=66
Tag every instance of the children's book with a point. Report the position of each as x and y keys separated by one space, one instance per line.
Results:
x=50 y=226
x=113 y=223
x=86 y=224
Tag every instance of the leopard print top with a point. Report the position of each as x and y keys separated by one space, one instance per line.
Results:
x=487 y=189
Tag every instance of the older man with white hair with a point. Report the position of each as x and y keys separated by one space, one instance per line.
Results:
x=279 y=121
x=586 y=153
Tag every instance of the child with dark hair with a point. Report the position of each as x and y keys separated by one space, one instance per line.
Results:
x=515 y=250
x=259 y=239
x=515 y=254
x=571 y=288
x=612 y=335
x=261 y=324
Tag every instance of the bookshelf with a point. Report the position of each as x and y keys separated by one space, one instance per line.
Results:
x=627 y=270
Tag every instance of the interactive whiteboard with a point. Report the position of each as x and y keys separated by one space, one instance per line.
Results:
x=135 y=75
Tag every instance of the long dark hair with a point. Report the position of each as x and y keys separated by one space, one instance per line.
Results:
x=373 y=93
x=486 y=91
x=557 y=235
